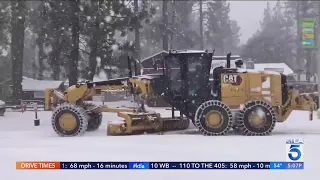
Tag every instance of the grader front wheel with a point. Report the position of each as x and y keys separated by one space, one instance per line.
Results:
x=69 y=120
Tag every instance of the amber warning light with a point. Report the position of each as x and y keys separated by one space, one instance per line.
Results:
x=37 y=165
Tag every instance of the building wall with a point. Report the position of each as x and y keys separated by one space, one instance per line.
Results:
x=5 y=93
x=38 y=95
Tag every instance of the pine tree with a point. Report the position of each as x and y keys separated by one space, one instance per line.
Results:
x=165 y=40
x=4 y=25
x=201 y=23
x=278 y=25
x=217 y=24
x=92 y=18
x=185 y=37
x=275 y=41
x=151 y=33
x=5 y=71
x=232 y=41
x=290 y=40
x=75 y=29
x=50 y=21
x=37 y=22
x=267 y=17
x=18 y=9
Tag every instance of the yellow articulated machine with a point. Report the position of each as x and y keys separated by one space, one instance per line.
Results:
x=248 y=102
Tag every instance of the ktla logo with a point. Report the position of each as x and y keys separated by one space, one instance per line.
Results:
x=294 y=150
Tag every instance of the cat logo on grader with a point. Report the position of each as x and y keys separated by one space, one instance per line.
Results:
x=233 y=79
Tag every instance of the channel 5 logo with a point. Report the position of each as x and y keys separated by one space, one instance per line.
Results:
x=294 y=150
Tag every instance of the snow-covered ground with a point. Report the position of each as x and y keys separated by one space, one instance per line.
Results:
x=21 y=141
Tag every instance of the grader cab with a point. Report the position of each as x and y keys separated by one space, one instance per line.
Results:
x=249 y=102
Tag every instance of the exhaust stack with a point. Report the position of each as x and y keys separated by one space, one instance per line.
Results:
x=228 y=60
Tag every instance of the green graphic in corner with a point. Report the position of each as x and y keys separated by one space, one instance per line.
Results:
x=308 y=25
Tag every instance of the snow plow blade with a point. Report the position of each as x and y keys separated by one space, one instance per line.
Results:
x=134 y=124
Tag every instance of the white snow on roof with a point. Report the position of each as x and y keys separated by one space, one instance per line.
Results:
x=276 y=67
x=166 y=52
x=248 y=70
x=39 y=85
x=257 y=71
x=193 y=51
x=225 y=57
x=173 y=51
x=24 y=77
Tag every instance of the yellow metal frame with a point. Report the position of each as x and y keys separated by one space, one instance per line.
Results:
x=133 y=121
x=296 y=101
x=78 y=93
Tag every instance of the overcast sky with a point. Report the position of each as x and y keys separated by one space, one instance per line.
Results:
x=248 y=14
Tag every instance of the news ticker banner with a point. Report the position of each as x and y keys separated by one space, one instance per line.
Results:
x=158 y=165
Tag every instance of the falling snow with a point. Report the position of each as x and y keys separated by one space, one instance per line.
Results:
x=98 y=59
x=112 y=13
x=4 y=52
x=81 y=8
x=114 y=47
x=108 y=18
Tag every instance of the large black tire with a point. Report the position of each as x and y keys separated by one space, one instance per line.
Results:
x=80 y=115
x=95 y=118
x=264 y=110
x=219 y=109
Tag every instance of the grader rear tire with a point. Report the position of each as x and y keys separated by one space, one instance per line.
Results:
x=258 y=118
x=213 y=118
x=95 y=118
x=69 y=120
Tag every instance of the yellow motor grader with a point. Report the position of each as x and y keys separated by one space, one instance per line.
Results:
x=249 y=102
